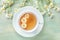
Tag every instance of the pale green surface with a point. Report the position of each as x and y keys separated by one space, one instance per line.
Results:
x=51 y=29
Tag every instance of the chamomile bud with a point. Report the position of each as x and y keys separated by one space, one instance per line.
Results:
x=43 y=13
x=11 y=3
x=24 y=0
x=23 y=25
x=55 y=8
x=58 y=9
x=21 y=5
x=51 y=5
x=45 y=6
x=3 y=3
x=16 y=10
x=3 y=8
x=49 y=13
x=52 y=15
x=9 y=15
x=36 y=2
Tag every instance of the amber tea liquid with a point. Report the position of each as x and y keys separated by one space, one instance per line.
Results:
x=28 y=21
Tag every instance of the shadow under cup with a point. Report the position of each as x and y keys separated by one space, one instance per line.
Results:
x=28 y=21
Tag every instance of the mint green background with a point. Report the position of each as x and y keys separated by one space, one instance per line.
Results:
x=51 y=29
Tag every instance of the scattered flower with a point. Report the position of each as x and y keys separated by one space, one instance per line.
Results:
x=21 y=5
x=43 y=13
x=58 y=9
x=51 y=5
x=9 y=16
x=46 y=6
x=16 y=10
x=51 y=15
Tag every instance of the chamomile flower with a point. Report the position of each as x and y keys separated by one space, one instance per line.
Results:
x=9 y=15
x=23 y=25
x=24 y=0
x=16 y=10
x=23 y=20
x=21 y=5
x=43 y=13
x=51 y=15
x=58 y=9
x=51 y=5
x=3 y=8
x=11 y=3
x=36 y=4
x=46 y=6
x=26 y=15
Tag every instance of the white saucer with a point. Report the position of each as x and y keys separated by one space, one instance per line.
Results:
x=39 y=26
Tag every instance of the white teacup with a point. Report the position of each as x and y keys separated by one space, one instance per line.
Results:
x=38 y=26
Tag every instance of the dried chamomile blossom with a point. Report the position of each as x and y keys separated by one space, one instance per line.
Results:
x=24 y=0
x=43 y=13
x=55 y=8
x=21 y=5
x=6 y=5
x=39 y=4
x=51 y=5
x=16 y=10
x=8 y=1
x=58 y=9
x=2 y=9
x=9 y=16
x=36 y=4
x=11 y=3
x=48 y=0
x=50 y=15
x=46 y=6
x=3 y=3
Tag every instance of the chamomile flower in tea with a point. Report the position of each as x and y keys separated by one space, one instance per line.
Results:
x=23 y=20
x=23 y=25
x=28 y=21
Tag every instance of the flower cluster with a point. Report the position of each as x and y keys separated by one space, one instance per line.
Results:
x=44 y=6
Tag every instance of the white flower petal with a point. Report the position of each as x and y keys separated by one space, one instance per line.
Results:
x=23 y=25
